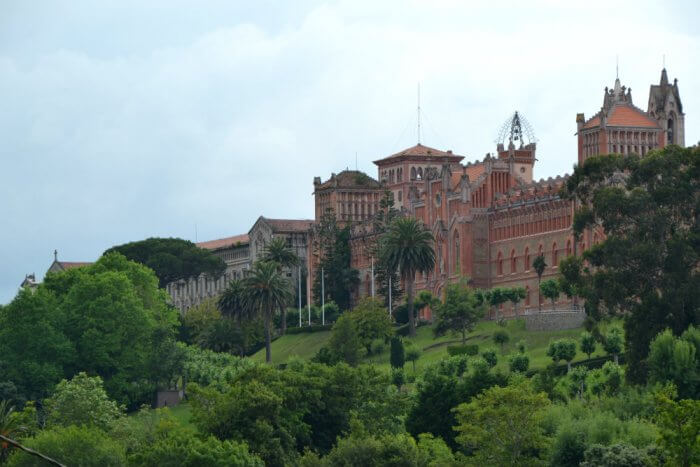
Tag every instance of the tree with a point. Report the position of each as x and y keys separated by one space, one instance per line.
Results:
x=278 y=252
x=613 y=343
x=461 y=310
x=519 y=363
x=502 y=425
x=171 y=258
x=679 y=427
x=496 y=297
x=265 y=290
x=232 y=301
x=408 y=248
x=516 y=295
x=562 y=349
x=617 y=455
x=490 y=357
x=673 y=359
x=32 y=366
x=385 y=276
x=371 y=322
x=397 y=356
x=550 y=289
x=501 y=337
x=72 y=445
x=645 y=269
x=332 y=244
x=413 y=353
x=198 y=318
x=539 y=266
x=587 y=343
x=81 y=401
x=345 y=341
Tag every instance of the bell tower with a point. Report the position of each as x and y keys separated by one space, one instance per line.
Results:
x=666 y=108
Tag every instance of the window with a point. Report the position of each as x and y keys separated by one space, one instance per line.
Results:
x=669 y=132
x=555 y=256
x=400 y=195
x=413 y=173
x=499 y=264
x=513 y=262
x=455 y=240
x=527 y=258
x=568 y=248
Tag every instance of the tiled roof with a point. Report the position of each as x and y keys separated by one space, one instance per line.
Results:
x=625 y=115
x=72 y=264
x=289 y=225
x=351 y=179
x=224 y=242
x=423 y=151
x=592 y=123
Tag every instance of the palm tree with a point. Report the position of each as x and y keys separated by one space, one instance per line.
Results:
x=231 y=301
x=265 y=290
x=408 y=247
x=539 y=266
x=278 y=251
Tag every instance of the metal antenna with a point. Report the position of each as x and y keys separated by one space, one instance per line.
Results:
x=617 y=66
x=418 y=110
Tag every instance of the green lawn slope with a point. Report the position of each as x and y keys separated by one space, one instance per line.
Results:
x=305 y=345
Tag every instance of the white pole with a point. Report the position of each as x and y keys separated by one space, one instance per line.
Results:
x=372 y=276
x=323 y=300
x=308 y=294
x=299 y=269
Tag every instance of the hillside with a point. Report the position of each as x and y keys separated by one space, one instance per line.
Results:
x=305 y=346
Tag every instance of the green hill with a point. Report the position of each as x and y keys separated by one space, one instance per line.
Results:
x=305 y=345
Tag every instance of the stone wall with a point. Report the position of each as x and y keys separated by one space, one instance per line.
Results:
x=554 y=320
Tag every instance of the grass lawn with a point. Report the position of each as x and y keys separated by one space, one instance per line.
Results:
x=182 y=413
x=304 y=345
x=536 y=342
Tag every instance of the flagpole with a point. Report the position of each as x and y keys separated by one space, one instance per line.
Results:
x=308 y=292
x=372 y=276
x=390 y=294
x=323 y=300
x=299 y=269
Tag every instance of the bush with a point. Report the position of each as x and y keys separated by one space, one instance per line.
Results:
x=501 y=337
x=618 y=455
x=490 y=357
x=468 y=349
x=397 y=357
x=84 y=446
x=519 y=363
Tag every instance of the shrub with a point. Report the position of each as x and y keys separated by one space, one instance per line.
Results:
x=490 y=357
x=397 y=357
x=519 y=363
x=469 y=349
x=501 y=337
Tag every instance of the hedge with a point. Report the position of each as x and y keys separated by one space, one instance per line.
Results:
x=467 y=349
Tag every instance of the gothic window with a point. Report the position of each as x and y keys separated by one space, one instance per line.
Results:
x=413 y=173
x=420 y=173
x=513 y=262
x=499 y=264
x=400 y=195
x=555 y=256
x=669 y=132
x=568 y=248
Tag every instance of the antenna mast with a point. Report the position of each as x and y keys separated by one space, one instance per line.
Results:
x=418 y=110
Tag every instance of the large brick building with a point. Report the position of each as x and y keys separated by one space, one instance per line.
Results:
x=490 y=218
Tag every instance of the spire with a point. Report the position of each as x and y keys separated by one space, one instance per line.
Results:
x=664 y=77
x=55 y=255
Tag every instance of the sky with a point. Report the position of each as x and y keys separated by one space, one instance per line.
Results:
x=123 y=120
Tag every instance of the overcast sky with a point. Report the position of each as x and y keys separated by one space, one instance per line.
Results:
x=134 y=119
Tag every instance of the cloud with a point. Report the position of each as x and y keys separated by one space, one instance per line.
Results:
x=134 y=120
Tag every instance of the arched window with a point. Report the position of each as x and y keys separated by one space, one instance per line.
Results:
x=669 y=132
x=527 y=258
x=555 y=256
x=499 y=264
x=513 y=262
x=457 y=260
x=420 y=173
x=568 y=247
x=539 y=250
x=413 y=173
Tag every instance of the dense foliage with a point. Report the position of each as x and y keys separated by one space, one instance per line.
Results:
x=171 y=258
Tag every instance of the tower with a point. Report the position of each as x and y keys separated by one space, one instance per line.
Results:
x=666 y=108
x=522 y=145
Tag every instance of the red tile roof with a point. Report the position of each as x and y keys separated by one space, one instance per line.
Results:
x=224 y=242
x=592 y=123
x=289 y=225
x=624 y=115
x=73 y=264
x=423 y=151
x=350 y=179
